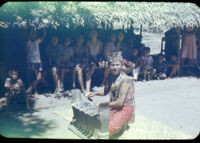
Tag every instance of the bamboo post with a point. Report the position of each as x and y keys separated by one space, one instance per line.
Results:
x=179 y=47
x=162 y=49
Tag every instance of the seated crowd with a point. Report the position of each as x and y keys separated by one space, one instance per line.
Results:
x=85 y=60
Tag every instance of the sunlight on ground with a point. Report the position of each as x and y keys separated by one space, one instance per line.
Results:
x=146 y=128
x=142 y=128
x=52 y=116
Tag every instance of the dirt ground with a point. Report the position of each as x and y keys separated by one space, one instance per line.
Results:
x=165 y=109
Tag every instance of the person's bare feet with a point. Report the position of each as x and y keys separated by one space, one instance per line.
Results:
x=87 y=93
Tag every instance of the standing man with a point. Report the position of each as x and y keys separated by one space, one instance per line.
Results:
x=120 y=88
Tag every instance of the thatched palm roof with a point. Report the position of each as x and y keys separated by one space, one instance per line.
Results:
x=115 y=15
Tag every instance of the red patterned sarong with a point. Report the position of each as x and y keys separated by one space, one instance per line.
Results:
x=118 y=118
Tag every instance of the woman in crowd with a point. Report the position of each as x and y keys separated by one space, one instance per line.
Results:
x=189 y=49
x=51 y=52
x=81 y=57
x=108 y=48
x=119 y=44
x=95 y=49
x=65 y=60
x=172 y=66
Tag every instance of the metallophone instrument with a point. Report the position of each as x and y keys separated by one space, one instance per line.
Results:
x=90 y=118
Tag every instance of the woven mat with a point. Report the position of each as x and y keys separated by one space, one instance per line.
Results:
x=145 y=128
x=142 y=128
x=66 y=114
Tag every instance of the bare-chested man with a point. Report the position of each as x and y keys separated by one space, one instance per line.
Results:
x=120 y=88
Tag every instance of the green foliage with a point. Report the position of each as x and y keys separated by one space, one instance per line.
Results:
x=115 y=15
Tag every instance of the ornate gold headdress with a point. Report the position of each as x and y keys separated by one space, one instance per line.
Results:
x=115 y=56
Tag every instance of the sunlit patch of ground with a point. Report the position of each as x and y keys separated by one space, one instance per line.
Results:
x=146 y=128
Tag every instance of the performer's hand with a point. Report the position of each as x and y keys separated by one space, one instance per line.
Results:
x=129 y=63
x=106 y=64
x=91 y=94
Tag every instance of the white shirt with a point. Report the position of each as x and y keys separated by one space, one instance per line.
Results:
x=33 y=51
x=147 y=61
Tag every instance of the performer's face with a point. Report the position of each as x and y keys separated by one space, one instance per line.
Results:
x=115 y=67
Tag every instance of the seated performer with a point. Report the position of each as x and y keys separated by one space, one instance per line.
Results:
x=120 y=88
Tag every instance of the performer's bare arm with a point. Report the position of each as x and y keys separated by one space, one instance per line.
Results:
x=98 y=93
x=130 y=67
x=125 y=89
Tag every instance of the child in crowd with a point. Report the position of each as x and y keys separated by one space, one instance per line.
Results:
x=136 y=59
x=15 y=91
x=147 y=65
x=34 y=60
x=172 y=66
x=127 y=67
x=161 y=67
